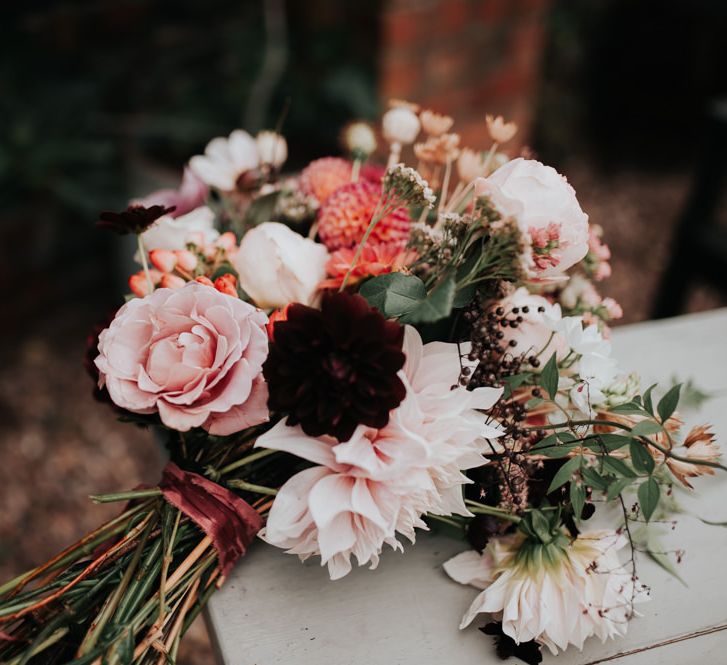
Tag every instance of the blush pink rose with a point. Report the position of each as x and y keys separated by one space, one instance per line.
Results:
x=193 y=355
x=546 y=210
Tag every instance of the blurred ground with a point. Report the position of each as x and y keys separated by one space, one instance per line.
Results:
x=58 y=446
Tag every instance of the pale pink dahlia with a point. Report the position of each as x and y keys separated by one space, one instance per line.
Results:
x=377 y=485
x=344 y=217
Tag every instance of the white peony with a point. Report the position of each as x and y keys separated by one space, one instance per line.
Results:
x=546 y=210
x=380 y=482
x=563 y=596
x=278 y=266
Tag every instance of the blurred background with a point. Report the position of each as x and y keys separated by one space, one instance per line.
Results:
x=104 y=101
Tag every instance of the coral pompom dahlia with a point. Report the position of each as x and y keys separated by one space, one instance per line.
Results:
x=346 y=214
x=324 y=176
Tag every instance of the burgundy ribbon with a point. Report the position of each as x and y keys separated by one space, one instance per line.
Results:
x=227 y=519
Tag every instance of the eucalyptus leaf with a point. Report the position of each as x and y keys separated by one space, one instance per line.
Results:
x=394 y=294
x=437 y=305
x=648 y=403
x=618 y=467
x=617 y=486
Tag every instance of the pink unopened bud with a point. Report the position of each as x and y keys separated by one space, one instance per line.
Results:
x=203 y=279
x=227 y=284
x=227 y=241
x=171 y=282
x=139 y=284
x=163 y=259
x=186 y=260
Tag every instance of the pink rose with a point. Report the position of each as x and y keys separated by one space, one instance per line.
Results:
x=194 y=355
x=546 y=210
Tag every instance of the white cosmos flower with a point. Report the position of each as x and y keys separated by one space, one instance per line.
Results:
x=378 y=484
x=560 y=597
x=226 y=159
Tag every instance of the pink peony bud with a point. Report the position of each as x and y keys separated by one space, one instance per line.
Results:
x=139 y=284
x=163 y=259
x=171 y=282
x=186 y=260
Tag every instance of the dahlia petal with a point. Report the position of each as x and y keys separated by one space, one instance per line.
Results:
x=293 y=440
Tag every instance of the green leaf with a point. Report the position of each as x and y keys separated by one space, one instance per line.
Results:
x=464 y=296
x=648 y=493
x=532 y=403
x=549 y=376
x=641 y=459
x=617 y=486
x=613 y=442
x=618 y=467
x=648 y=404
x=577 y=497
x=437 y=305
x=394 y=294
x=261 y=210
x=668 y=404
x=513 y=382
x=546 y=442
x=556 y=452
x=565 y=473
x=645 y=428
x=594 y=479
x=629 y=408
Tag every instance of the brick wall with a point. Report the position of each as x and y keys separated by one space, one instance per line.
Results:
x=465 y=58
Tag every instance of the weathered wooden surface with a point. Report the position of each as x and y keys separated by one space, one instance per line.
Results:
x=275 y=610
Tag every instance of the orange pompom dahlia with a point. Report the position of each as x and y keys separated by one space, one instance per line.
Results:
x=344 y=217
x=324 y=176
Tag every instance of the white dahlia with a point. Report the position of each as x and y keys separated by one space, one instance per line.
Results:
x=556 y=594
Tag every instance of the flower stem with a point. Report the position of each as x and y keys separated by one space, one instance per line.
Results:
x=260 y=454
x=355 y=169
x=249 y=487
x=145 y=265
x=482 y=509
x=126 y=496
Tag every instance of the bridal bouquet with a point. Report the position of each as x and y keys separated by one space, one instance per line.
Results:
x=340 y=358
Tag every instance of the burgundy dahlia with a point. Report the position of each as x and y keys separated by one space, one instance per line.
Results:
x=333 y=369
x=135 y=219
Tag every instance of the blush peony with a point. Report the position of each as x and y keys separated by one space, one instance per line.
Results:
x=546 y=210
x=193 y=355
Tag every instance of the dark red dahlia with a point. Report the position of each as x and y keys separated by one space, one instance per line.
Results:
x=333 y=369
x=135 y=219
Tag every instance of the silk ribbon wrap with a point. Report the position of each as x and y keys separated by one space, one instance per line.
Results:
x=227 y=519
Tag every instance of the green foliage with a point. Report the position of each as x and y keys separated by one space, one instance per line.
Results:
x=648 y=493
x=668 y=404
x=394 y=294
x=549 y=376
